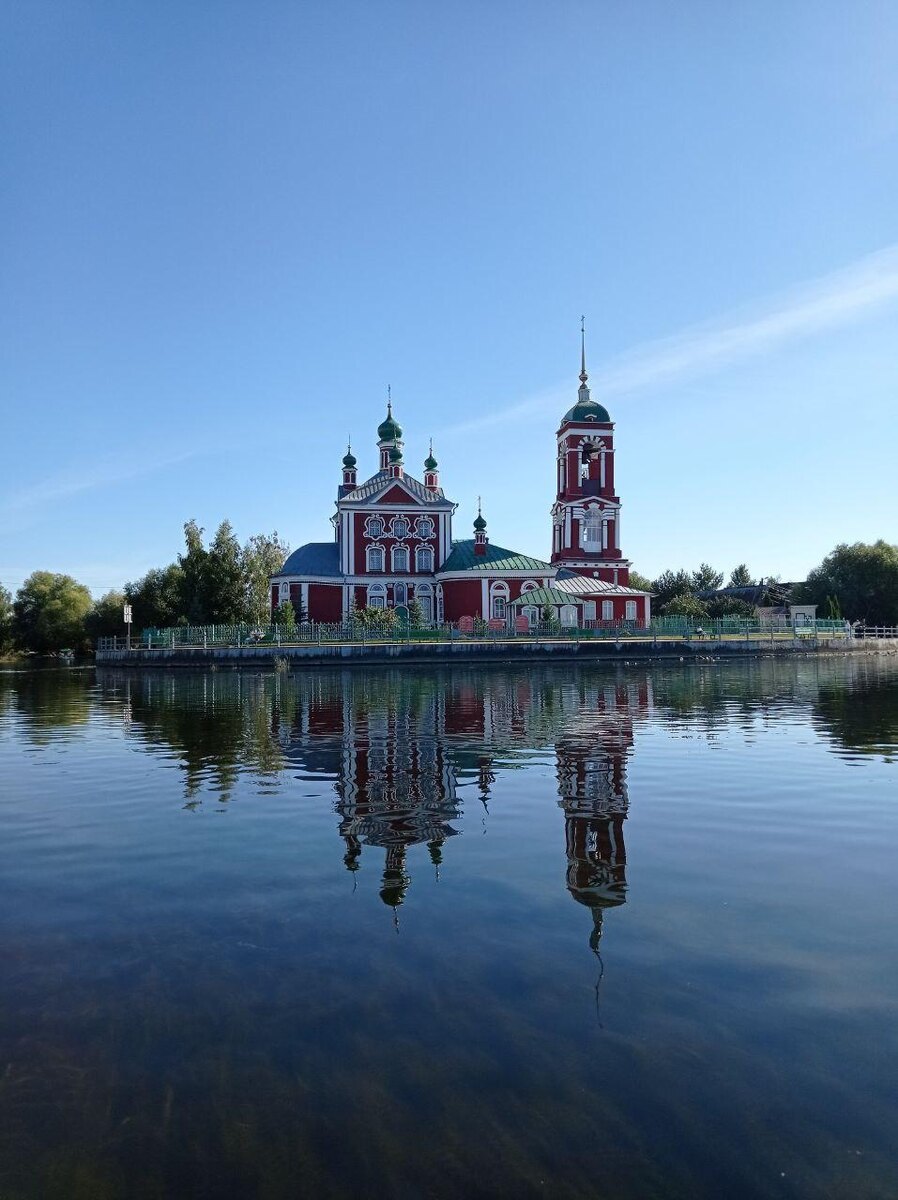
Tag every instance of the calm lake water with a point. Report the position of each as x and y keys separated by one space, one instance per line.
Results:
x=498 y=932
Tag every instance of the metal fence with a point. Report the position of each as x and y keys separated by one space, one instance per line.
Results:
x=357 y=632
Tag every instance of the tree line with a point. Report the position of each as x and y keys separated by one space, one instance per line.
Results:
x=224 y=583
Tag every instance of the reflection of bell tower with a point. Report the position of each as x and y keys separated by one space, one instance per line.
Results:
x=591 y=766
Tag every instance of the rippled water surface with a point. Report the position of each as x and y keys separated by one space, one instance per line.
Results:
x=568 y=933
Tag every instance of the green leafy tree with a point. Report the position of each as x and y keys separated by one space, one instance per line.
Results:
x=640 y=582
x=262 y=556
x=706 y=579
x=862 y=579
x=49 y=613
x=157 y=599
x=107 y=617
x=415 y=614
x=670 y=584
x=740 y=577
x=685 y=605
x=832 y=610
x=6 y=619
x=225 y=594
x=193 y=562
x=285 y=616
x=728 y=606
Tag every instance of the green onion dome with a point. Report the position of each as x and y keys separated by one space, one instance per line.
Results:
x=586 y=410
x=389 y=430
x=395 y=455
x=349 y=460
x=430 y=463
x=479 y=522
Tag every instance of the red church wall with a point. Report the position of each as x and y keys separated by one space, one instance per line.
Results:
x=462 y=598
x=325 y=602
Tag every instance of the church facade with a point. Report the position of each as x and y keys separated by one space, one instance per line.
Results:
x=393 y=542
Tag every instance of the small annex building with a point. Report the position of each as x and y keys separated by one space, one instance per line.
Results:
x=393 y=542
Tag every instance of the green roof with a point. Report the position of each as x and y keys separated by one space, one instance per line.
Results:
x=389 y=430
x=497 y=558
x=552 y=596
x=587 y=411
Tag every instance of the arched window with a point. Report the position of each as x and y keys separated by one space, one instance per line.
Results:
x=424 y=559
x=531 y=612
x=424 y=596
x=568 y=614
x=375 y=558
x=528 y=586
x=498 y=599
x=377 y=595
x=399 y=527
x=424 y=527
x=592 y=529
x=374 y=527
x=400 y=594
x=400 y=558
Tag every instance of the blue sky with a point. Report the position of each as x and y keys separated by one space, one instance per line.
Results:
x=226 y=227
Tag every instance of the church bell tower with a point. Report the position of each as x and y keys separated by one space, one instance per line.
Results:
x=586 y=512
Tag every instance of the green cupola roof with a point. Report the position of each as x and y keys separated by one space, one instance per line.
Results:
x=349 y=459
x=395 y=455
x=430 y=463
x=389 y=430
x=479 y=522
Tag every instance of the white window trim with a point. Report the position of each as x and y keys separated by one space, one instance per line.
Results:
x=377 y=591
x=376 y=548
x=369 y=532
x=428 y=552
x=400 y=520
x=401 y=549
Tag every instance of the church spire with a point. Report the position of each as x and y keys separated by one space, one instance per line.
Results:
x=583 y=375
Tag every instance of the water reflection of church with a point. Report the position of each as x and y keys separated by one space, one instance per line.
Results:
x=402 y=754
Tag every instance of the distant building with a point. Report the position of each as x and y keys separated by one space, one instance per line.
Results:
x=393 y=541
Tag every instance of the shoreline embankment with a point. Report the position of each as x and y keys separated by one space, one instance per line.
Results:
x=469 y=652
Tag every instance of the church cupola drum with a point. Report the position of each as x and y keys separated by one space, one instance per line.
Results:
x=586 y=512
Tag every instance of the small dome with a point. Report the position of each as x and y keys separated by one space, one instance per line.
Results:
x=430 y=463
x=479 y=522
x=349 y=460
x=587 y=410
x=389 y=430
x=395 y=455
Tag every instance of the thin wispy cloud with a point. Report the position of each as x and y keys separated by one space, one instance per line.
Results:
x=817 y=307
x=65 y=484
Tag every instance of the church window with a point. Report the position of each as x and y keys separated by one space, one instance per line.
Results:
x=375 y=527
x=631 y=610
x=589 y=610
x=424 y=559
x=375 y=558
x=400 y=593
x=424 y=596
x=424 y=527
x=498 y=600
x=529 y=585
x=377 y=596
x=607 y=610
x=400 y=558
x=592 y=530
x=399 y=528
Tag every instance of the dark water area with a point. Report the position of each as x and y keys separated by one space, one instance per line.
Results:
x=582 y=932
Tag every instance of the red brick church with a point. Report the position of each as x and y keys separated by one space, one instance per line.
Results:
x=393 y=542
